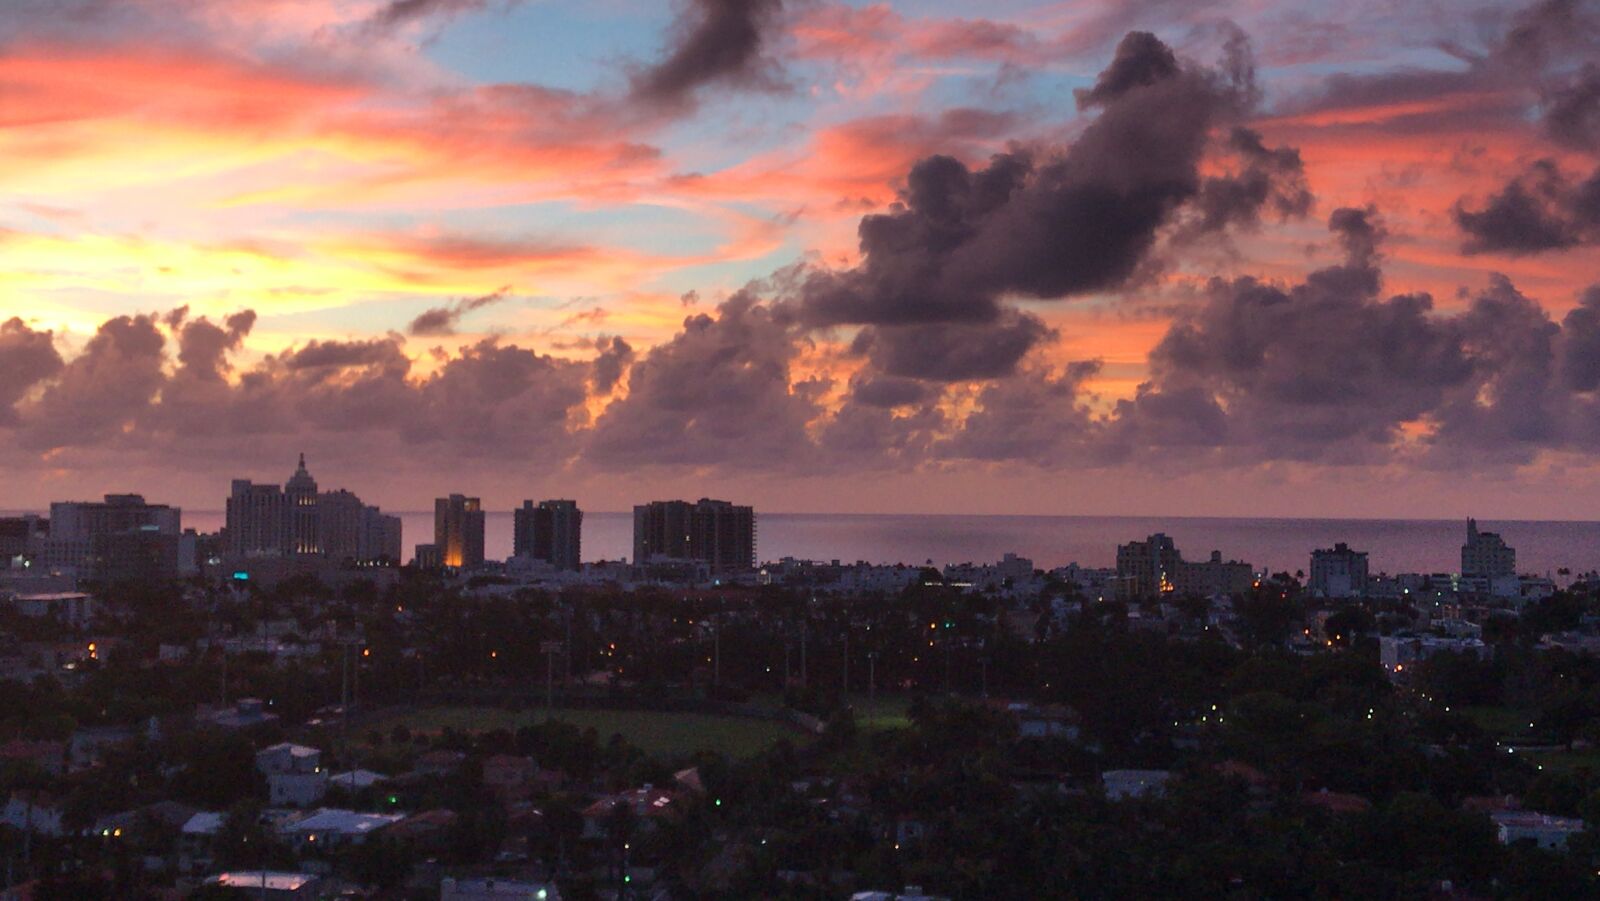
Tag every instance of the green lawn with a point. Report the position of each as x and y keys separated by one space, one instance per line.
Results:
x=1499 y=721
x=657 y=733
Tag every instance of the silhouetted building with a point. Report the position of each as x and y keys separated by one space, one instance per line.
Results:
x=1486 y=554
x=352 y=530
x=718 y=533
x=1338 y=572
x=305 y=526
x=18 y=534
x=299 y=521
x=551 y=531
x=120 y=539
x=723 y=535
x=1147 y=568
x=1154 y=567
x=458 y=530
x=661 y=531
x=1214 y=576
x=257 y=520
x=427 y=557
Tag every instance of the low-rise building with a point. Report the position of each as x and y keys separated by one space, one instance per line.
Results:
x=1548 y=832
x=269 y=884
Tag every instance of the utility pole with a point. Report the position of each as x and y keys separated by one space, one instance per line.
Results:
x=872 y=675
x=716 y=653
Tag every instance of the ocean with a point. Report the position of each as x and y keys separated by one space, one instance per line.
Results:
x=1281 y=544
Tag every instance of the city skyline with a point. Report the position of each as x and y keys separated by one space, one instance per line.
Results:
x=1209 y=259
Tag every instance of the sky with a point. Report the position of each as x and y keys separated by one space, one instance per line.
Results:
x=1146 y=257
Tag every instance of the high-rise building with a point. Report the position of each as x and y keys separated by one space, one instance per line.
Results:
x=381 y=537
x=1147 y=568
x=122 y=538
x=298 y=520
x=1338 y=572
x=458 y=530
x=661 y=531
x=304 y=524
x=714 y=532
x=1486 y=554
x=551 y=531
x=257 y=520
x=724 y=535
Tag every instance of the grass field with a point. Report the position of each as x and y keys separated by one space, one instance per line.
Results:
x=658 y=733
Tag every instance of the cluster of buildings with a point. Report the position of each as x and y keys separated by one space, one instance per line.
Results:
x=670 y=538
x=297 y=520
x=119 y=538
x=1155 y=567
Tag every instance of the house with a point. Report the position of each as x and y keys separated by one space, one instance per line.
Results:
x=356 y=780
x=1121 y=784
x=196 y=839
x=286 y=757
x=430 y=828
x=297 y=789
x=268 y=884
x=49 y=756
x=648 y=806
x=496 y=890
x=72 y=608
x=329 y=827
x=35 y=812
x=1548 y=832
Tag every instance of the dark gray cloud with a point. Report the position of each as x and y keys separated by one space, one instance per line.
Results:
x=939 y=268
x=714 y=42
x=27 y=357
x=1541 y=209
x=942 y=352
x=613 y=359
x=1266 y=179
x=442 y=321
x=1322 y=369
x=1572 y=109
x=1580 y=363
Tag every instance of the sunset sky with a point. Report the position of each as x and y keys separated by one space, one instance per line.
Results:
x=1145 y=257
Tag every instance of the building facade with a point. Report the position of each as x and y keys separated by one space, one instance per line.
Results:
x=1147 y=568
x=1338 y=572
x=551 y=531
x=119 y=539
x=1486 y=554
x=458 y=530
x=298 y=520
x=718 y=533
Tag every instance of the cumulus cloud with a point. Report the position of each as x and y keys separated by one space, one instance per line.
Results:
x=721 y=392
x=27 y=357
